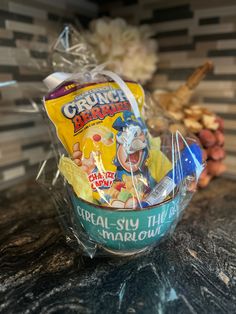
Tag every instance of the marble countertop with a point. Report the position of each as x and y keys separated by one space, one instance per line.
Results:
x=192 y=272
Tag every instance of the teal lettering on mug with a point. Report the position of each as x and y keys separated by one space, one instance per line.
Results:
x=126 y=230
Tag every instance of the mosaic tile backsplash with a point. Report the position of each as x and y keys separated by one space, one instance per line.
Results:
x=187 y=31
x=27 y=29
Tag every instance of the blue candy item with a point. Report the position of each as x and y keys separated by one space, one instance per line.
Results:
x=189 y=163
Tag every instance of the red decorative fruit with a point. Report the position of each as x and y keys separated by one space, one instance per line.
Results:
x=216 y=152
x=215 y=168
x=207 y=138
x=221 y=123
x=220 y=138
x=204 y=181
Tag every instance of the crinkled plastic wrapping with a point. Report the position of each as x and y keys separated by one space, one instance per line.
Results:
x=20 y=114
x=70 y=52
x=118 y=189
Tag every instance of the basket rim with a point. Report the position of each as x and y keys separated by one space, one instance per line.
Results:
x=113 y=209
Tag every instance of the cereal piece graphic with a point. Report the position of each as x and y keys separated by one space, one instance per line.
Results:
x=97 y=137
x=132 y=202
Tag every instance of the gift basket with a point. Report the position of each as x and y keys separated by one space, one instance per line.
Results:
x=118 y=189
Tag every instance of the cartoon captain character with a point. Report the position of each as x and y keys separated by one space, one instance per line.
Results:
x=132 y=178
x=132 y=147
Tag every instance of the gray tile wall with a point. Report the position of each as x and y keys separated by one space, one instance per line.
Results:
x=27 y=29
x=189 y=32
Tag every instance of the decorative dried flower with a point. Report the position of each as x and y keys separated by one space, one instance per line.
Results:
x=128 y=50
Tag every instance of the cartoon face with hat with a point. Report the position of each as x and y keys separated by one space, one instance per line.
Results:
x=131 y=151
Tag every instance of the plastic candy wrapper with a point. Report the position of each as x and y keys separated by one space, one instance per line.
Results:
x=118 y=189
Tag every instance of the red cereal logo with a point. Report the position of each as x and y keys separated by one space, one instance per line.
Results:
x=95 y=105
x=101 y=180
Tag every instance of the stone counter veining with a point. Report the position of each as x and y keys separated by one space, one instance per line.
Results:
x=193 y=272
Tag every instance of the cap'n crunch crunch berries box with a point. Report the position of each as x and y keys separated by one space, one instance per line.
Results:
x=96 y=125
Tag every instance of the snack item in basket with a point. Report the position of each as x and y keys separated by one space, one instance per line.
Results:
x=76 y=177
x=189 y=163
x=96 y=125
